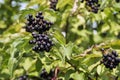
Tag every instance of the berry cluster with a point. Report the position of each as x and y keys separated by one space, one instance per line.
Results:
x=93 y=5
x=47 y=76
x=41 y=41
x=53 y=4
x=38 y=26
x=111 y=60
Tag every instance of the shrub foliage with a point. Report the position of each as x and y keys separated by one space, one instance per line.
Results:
x=83 y=41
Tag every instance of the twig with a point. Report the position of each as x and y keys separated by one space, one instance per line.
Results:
x=56 y=73
x=87 y=51
x=66 y=30
x=74 y=6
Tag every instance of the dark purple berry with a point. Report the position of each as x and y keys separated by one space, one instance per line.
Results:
x=114 y=53
x=93 y=5
x=30 y=16
x=111 y=60
x=53 y=4
x=37 y=27
x=40 y=13
x=31 y=42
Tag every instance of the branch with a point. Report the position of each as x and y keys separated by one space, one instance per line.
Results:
x=74 y=6
x=56 y=73
x=87 y=51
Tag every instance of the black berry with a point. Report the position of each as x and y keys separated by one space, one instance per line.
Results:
x=53 y=4
x=37 y=24
x=37 y=27
x=93 y=5
x=111 y=60
x=42 y=43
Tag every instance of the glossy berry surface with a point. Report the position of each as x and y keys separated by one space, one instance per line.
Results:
x=111 y=60
x=37 y=27
x=37 y=24
x=92 y=5
x=42 y=43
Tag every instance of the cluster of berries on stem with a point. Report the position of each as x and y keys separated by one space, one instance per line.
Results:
x=93 y=5
x=53 y=4
x=37 y=27
x=111 y=60
x=42 y=42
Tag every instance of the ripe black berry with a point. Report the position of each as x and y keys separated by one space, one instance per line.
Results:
x=37 y=24
x=111 y=60
x=37 y=27
x=115 y=53
x=42 y=43
x=93 y=5
x=32 y=41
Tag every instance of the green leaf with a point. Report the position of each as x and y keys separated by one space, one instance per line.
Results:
x=90 y=68
x=33 y=2
x=38 y=65
x=51 y=15
x=100 y=69
x=92 y=57
x=65 y=16
x=28 y=64
x=4 y=74
x=12 y=65
x=115 y=44
x=78 y=76
x=62 y=3
x=60 y=38
x=57 y=54
x=1 y=58
x=117 y=6
x=67 y=50
x=68 y=73
x=25 y=12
